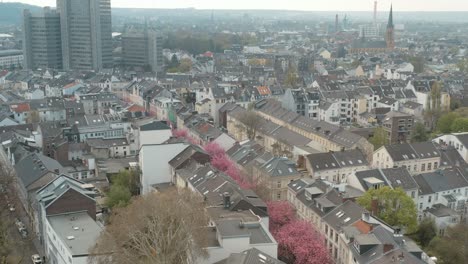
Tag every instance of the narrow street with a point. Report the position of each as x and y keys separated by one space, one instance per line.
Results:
x=22 y=248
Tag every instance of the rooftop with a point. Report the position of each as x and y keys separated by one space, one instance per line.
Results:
x=78 y=231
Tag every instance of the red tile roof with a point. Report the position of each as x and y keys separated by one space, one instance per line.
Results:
x=363 y=227
x=263 y=90
x=20 y=108
x=70 y=85
x=136 y=108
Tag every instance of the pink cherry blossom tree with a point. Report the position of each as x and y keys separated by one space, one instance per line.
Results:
x=214 y=149
x=183 y=133
x=221 y=162
x=300 y=243
x=281 y=213
x=180 y=133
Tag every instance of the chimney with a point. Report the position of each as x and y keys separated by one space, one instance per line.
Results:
x=375 y=206
x=300 y=161
x=375 y=12
x=365 y=217
x=226 y=200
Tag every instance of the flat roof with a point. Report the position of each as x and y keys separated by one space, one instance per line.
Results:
x=10 y=52
x=76 y=230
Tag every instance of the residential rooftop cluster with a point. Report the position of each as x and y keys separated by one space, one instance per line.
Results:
x=319 y=115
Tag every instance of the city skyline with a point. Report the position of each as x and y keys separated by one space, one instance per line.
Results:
x=330 y=5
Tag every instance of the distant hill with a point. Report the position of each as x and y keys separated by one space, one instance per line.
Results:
x=10 y=13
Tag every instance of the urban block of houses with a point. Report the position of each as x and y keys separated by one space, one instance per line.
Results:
x=415 y=157
x=335 y=166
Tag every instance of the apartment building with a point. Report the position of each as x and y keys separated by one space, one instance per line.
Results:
x=415 y=157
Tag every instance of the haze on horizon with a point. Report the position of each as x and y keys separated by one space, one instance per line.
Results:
x=305 y=5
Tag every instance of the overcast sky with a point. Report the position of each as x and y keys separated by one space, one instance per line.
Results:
x=314 y=5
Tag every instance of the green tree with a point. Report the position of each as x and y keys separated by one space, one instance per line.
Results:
x=444 y=124
x=380 y=137
x=451 y=248
x=460 y=125
x=425 y=233
x=419 y=133
x=185 y=65
x=118 y=196
x=129 y=179
x=395 y=207
x=418 y=63
x=174 y=63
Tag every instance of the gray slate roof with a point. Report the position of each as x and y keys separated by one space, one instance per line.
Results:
x=334 y=160
x=155 y=125
x=251 y=256
x=440 y=181
x=32 y=167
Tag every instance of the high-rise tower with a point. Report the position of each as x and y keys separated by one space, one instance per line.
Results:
x=41 y=39
x=390 y=34
x=86 y=33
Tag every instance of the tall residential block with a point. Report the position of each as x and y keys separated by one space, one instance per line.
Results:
x=86 y=27
x=142 y=48
x=42 y=46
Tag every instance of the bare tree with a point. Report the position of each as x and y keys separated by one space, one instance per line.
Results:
x=168 y=227
x=33 y=117
x=434 y=102
x=251 y=122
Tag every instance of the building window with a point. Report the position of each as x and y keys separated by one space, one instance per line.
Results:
x=420 y=206
x=413 y=194
x=278 y=196
x=278 y=184
x=429 y=199
x=423 y=167
x=429 y=166
x=415 y=167
x=435 y=165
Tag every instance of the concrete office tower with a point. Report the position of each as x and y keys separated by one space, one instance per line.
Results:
x=86 y=27
x=142 y=48
x=42 y=47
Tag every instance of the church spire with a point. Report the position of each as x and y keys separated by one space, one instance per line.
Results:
x=390 y=34
x=390 y=18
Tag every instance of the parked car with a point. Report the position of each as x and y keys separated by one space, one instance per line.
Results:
x=19 y=223
x=23 y=232
x=36 y=259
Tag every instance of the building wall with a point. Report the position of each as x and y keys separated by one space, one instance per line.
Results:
x=383 y=160
x=86 y=33
x=72 y=201
x=451 y=140
x=11 y=61
x=154 y=165
x=154 y=137
x=56 y=251
x=42 y=46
